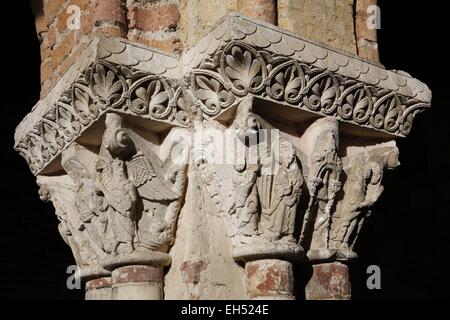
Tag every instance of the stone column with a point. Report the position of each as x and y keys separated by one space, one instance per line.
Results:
x=264 y=10
x=99 y=289
x=269 y=279
x=329 y=281
x=269 y=269
x=137 y=282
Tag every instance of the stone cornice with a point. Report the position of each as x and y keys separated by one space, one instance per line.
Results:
x=267 y=37
x=238 y=57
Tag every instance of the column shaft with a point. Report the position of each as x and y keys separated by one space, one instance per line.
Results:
x=269 y=279
x=264 y=10
x=99 y=289
x=137 y=282
x=330 y=281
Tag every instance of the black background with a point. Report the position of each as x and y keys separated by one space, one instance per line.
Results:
x=407 y=235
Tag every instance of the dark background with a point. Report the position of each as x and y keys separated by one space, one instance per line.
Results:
x=408 y=235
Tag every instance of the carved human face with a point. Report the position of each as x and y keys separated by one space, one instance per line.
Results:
x=116 y=141
x=247 y=127
x=44 y=194
x=393 y=160
x=377 y=172
x=287 y=153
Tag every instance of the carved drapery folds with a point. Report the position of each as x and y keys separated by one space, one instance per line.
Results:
x=118 y=206
x=257 y=194
x=293 y=190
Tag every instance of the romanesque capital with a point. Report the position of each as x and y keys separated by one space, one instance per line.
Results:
x=255 y=150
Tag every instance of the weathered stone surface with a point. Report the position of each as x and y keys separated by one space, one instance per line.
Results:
x=137 y=283
x=366 y=19
x=264 y=10
x=330 y=281
x=269 y=279
x=202 y=266
x=99 y=289
x=197 y=17
x=253 y=151
x=319 y=80
x=330 y=22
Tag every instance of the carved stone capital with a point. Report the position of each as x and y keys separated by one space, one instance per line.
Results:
x=342 y=192
x=312 y=131
x=117 y=206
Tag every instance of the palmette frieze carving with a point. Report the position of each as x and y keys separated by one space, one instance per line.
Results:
x=238 y=57
x=277 y=42
x=101 y=88
x=239 y=69
x=294 y=191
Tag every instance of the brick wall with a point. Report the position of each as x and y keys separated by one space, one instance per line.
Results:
x=171 y=25
x=151 y=22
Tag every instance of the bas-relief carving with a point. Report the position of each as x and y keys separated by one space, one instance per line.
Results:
x=280 y=194
x=120 y=205
x=364 y=171
x=342 y=191
x=125 y=199
x=264 y=208
x=239 y=57
x=75 y=225
x=258 y=205
x=323 y=182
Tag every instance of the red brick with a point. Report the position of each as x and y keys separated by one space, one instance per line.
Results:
x=51 y=36
x=45 y=87
x=85 y=9
x=366 y=38
x=47 y=70
x=330 y=281
x=41 y=23
x=191 y=270
x=83 y=4
x=112 y=11
x=86 y=21
x=98 y=283
x=71 y=59
x=45 y=48
x=154 y=19
x=110 y=31
x=170 y=45
x=138 y=273
x=52 y=8
x=269 y=278
x=63 y=49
